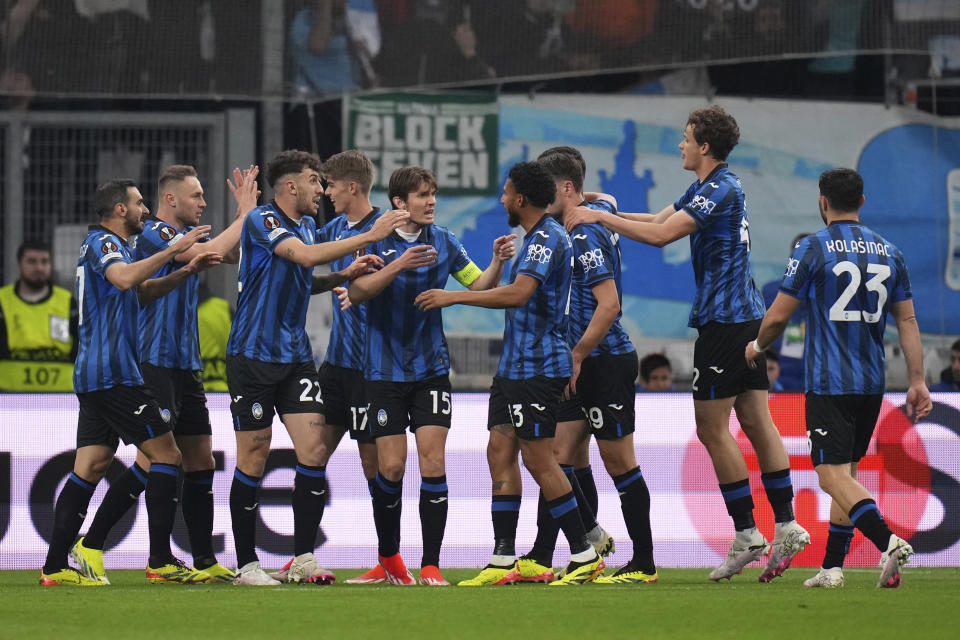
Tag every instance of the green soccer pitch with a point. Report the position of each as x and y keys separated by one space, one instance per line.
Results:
x=684 y=604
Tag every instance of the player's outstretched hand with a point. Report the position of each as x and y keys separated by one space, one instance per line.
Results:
x=343 y=297
x=418 y=256
x=190 y=238
x=244 y=189
x=503 y=247
x=361 y=266
x=203 y=261
x=919 y=403
x=432 y=299
x=580 y=215
x=389 y=221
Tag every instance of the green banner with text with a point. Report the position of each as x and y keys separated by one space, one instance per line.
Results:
x=454 y=135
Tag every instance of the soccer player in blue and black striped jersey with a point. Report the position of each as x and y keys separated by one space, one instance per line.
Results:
x=406 y=364
x=535 y=367
x=170 y=365
x=114 y=403
x=849 y=278
x=726 y=313
x=601 y=387
x=270 y=360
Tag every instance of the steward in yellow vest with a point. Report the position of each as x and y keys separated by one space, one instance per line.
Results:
x=213 y=327
x=37 y=334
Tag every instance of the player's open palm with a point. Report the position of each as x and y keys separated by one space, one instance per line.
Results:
x=191 y=237
x=389 y=221
x=244 y=189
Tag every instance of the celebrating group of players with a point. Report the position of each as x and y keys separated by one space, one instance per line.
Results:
x=566 y=373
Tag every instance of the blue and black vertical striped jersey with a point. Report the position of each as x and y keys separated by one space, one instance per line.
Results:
x=535 y=335
x=848 y=277
x=345 y=348
x=273 y=292
x=405 y=344
x=720 y=251
x=107 y=356
x=168 y=325
x=596 y=252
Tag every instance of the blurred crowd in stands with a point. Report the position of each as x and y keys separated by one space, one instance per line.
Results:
x=214 y=47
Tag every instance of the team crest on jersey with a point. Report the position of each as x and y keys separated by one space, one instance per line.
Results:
x=109 y=247
x=382 y=417
x=165 y=415
x=167 y=233
x=257 y=411
x=271 y=223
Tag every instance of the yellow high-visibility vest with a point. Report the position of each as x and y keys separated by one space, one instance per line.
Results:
x=39 y=340
x=213 y=327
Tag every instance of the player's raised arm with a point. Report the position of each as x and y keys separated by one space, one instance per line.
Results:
x=332 y=281
x=311 y=255
x=150 y=290
x=503 y=250
x=126 y=275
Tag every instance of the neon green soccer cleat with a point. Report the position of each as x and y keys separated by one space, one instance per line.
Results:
x=216 y=573
x=90 y=561
x=492 y=577
x=628 y=575
x=174 y=571
x=580 y=573
x=532 y=571
x=68 y=578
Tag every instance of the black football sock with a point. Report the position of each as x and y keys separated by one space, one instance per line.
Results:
x=123 y=494
x=68 y=516
x=196 y=504
x=565 y=512
x=739 y=503
x=779 y=490
x=309 y=500
x=387 y=506
x=867 y=517
x=838 y=545
x=243 y=514
x=433 y=517
x=588 y=487
x=161 y=499
x=547 y=530
x=635 y=506
x=505 y=511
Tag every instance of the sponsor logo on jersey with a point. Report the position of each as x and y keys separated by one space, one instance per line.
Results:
x=590 y=260
x=539 y=253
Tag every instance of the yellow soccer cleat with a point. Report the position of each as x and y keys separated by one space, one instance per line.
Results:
x=68 y=578
x=215 y=573
x=580 y=573
x=532 y=571
x=628 y=575
x=173 y=571
x=492 y=577
x=90 y=561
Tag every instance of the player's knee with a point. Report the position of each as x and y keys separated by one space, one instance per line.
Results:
x=392 y=469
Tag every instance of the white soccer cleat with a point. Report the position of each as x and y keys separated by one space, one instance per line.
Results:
x=831 y=578
x=252 y=574
x=304 y=568
x=789 y=540
x=897 y=554
x=748 y=546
